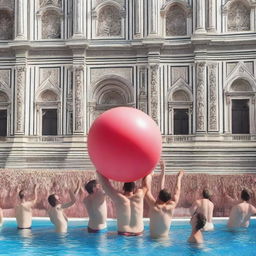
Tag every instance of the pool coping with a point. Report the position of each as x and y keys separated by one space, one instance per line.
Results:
x=111 y=219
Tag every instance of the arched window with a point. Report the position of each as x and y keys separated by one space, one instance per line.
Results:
x=6 y=25
x=238 y=17
x=180 y=114
x=109 y=22
x=176 y=21
x=51 y=25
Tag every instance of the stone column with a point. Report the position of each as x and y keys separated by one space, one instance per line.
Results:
x=213 y=124
x=153 y=13
x=138 y=19
x=78 y=87
x=78 y=21
x=21 y=19
x=142 y=89
x=201 y=97
x=20 y=76
x=154 y=92
x=200 y=16
x=212 y=16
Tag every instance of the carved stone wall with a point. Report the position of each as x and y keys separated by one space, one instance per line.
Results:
x=56 y=3
x=109 y=22
x=238 y=17
x=20 y=104
x=51 y=25
x=212 y=97
x=143 y=92
x=6 y=25
x=176 y=22
x=154 y=92
x=201 y=97
x=78 y=99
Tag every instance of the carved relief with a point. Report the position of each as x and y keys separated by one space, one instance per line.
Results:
x=50 y=75
x=213 y=123
x=112 y=98
x=176 y=22
x=143 y=90
x=51 y=25
x=56 y=3
x=4 y=78
x=238 y=17
x=48 y=96
x=241 y=85
x=3 y=97
x=6 y=25
x=20 y=86
x=179 y=72
x=78 y=76
x=154 y=92
x=200 y=97
x=109 y=22
x=180 y=95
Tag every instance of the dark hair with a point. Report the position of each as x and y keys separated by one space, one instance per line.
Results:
x=21 y=194
x=52 y=200
x=201 y=220
x=207 y=194
x=245 y=195
x=90 y=186
x=164 y=195
x=129 y=186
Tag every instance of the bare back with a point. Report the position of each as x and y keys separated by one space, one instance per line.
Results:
x=58 y=218
x=240 y=215
x=97 y=210
x=129 y=211
x=205 y=206
x=23 y=213
x=160 y=219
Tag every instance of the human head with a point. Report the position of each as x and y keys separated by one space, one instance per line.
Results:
x=245 y=196
x=207 y=194
x=90 y=186
x=198 y=221
x=164 y=195
x=22 y=194
x=53 y=200
x=129 y=187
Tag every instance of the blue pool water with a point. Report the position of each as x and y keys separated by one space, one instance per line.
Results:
x=42 y=240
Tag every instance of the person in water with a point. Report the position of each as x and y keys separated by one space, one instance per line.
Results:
x=95 y=204
x=161 y=209
x=23 y=210
x=129 y=206
x=56 y=213
x=197 y=222
x=241 y=213
x=204 y=206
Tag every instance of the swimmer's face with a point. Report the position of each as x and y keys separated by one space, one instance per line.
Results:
x=57 y=198
x=97 y=188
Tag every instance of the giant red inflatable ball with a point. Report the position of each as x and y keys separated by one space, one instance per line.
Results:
x=124 y=144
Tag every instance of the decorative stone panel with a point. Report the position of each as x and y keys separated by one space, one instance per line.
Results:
x=51 y=25
x=179 y=72
x=143 y=92
x=212 y=97
x=6 y=25
x=57 y=3
x=154 y=93
x=176 y=21
x=238 y=17
x=109 y=22
x=201 y=97
x=19 y=99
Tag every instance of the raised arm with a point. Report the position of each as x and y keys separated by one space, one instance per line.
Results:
x=149 y=197
x=162 y=175
x=178 y=188
x=107 y=187
x=1 y=216
x=35 y=194
x=72 y=196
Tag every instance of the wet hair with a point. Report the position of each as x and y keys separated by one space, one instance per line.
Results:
x=129 y=186
x=90 y=186
x=52 y=200
x=201 y=220
x=164 y=195
x=21 y=194
x=245 y=195
x=207 y=194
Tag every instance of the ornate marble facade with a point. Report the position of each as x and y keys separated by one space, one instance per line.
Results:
x=81 y=58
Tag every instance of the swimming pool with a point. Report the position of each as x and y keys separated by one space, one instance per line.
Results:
x=42 y=240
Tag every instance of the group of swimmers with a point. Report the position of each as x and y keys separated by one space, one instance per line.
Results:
x=129 y=208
